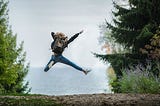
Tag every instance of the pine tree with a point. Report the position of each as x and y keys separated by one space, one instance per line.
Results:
x=12 y=58
x=134 y=24
x=135 y=28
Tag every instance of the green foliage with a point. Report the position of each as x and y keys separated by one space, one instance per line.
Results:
x=144 y=37
x=12 y=58
x=121 y=61
x=126 y=80
x=133 y=25
x=139 y=81
x=115 y=86
x=152 y=49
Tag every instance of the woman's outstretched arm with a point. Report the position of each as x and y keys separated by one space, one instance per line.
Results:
x=53 y=34
x=74 y=37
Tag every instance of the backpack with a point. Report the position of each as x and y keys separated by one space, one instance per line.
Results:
x=59 y=44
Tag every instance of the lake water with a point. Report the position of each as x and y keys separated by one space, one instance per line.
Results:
x=67 y=81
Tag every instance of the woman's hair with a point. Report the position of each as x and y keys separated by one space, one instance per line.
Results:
x=60 y=35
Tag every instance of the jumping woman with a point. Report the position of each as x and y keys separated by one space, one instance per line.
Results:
x=58 y=46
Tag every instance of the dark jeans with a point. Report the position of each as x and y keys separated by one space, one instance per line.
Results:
x=59 y=58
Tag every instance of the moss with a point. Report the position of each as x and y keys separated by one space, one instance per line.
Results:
x=26 y=101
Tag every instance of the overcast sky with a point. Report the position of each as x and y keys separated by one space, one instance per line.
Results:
x=33 y=21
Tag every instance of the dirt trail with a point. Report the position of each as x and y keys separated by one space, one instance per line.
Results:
x=110 y=100
x=100 y=99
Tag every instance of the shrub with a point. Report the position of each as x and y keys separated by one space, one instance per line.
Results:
x=139 y=80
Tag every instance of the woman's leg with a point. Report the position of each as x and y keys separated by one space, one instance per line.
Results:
x=50 y=63
x=64 y=60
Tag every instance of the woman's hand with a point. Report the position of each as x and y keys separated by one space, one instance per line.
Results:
x=81 y=31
